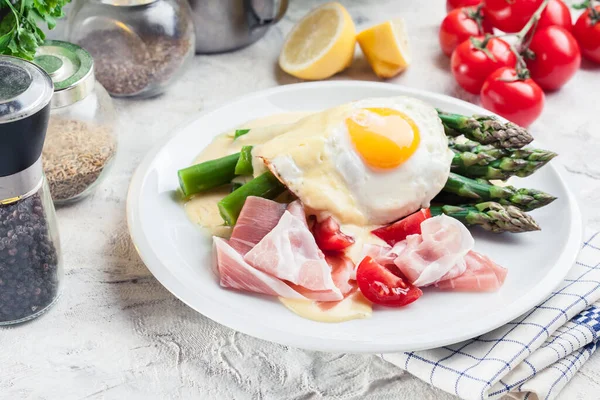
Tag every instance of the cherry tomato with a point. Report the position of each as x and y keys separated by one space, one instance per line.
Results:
x=510 y=15
x=382 y=287
x=556 y=13
x=329 y=237
x=458 y=26
x=587 y=33
x=556 y=57
x=452 y=4
x=471 y=66
x=399 y=230
x=518 y=100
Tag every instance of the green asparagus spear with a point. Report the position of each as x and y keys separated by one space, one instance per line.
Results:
x=525 y=153
x=485 y=129
x=490 y=216
x=244 y=164
x=480 y=166
x=525 y=199
x=475 y=160
x=265 y=185
x=207 y=175
x=240 y=132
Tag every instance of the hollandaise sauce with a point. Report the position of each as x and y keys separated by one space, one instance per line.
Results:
x=202 y=209
x=354 y=306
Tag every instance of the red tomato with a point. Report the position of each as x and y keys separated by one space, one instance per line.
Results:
x=510 y=15
x=556 y=57
x=556 y=13
x=587 y=33
x=458 y=26
x=471 y=66
x=399 y=230
x=518 y=100
x=329 y=237
x=382 y=287
x=452 y=4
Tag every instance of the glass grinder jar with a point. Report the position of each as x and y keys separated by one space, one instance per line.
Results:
x=139 y=46
x=30 y=267
x=81 y=141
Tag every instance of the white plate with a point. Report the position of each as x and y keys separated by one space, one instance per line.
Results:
x=179 y=254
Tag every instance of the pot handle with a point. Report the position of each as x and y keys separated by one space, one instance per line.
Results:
x=261 y=21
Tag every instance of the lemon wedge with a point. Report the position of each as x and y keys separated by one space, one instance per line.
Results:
x=321 y=44
x=386 y=47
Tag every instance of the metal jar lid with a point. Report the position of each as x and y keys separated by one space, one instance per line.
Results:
x=71 y=69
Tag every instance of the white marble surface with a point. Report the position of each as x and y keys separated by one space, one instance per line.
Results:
x=116 y=333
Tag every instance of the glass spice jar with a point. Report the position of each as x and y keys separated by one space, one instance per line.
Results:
x=81 y=141
x=140 y=46
x=30 y=260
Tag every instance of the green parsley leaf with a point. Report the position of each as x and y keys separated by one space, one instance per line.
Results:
x=20 y=33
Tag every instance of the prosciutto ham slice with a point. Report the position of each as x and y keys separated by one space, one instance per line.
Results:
x=289 y=252
x=258 y=217
x=441 y=256
x=437 y=254
x=272 y=251
x=341 y=269
x=481 y=275
x=297 y=209
x=235 y=273
x=382 y=254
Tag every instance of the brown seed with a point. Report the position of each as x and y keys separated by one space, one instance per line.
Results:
x=75 y=155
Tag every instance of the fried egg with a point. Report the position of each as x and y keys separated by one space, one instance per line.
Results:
x=369 y=162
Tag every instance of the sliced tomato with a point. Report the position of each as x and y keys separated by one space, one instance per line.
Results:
x=399 y=230
x=382 y=287
x=329 y=237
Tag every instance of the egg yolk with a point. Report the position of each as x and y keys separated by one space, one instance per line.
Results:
x=384 y=138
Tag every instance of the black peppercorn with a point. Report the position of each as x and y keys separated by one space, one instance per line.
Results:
x=28 y=260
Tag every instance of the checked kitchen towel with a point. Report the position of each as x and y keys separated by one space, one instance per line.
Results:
x=532 y=357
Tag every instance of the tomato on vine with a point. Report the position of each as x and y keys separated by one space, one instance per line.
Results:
x=587 y=33
x=459 y=25
x=556 y=13
x=513 y=95
x=475 y=59
x=453 y=4
x=553 y=57
x=510 y=15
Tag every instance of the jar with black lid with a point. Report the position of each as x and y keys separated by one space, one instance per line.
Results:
x=30 y=262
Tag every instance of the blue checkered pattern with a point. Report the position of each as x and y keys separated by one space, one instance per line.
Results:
x=590 y=317
x=538 y=353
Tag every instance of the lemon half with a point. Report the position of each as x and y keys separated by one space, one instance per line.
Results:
x=321 y=44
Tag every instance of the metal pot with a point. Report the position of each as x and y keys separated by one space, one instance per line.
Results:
x=226 y=25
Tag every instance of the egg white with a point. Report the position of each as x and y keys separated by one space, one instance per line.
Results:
x=317 y=161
